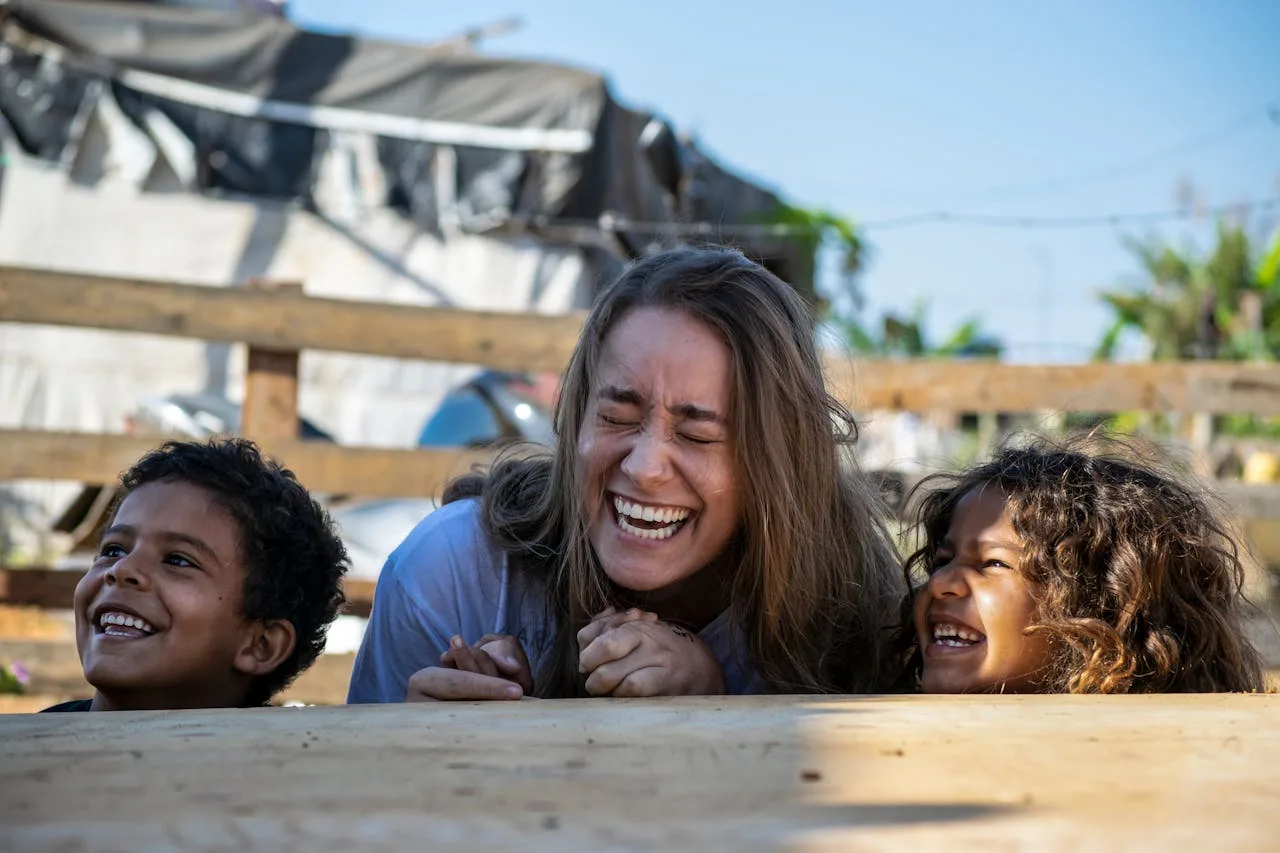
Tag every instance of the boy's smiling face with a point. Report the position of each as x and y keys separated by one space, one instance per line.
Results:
x=158 y=617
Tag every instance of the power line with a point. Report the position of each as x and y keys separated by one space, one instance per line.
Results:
x=1253 y=118
x=713 y=230
x=1091 y=221
x=1245 y=121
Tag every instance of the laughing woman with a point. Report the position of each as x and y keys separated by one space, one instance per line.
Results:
x=698 y=527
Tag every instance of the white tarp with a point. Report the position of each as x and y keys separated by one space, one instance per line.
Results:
x=116 y=207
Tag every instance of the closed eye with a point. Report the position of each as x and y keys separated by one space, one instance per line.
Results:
x=612 y=421
x=697 y=439
x=939 y=562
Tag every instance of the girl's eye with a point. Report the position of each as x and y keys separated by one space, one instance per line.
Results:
x=613 y=421
x=939 y=562
x=179 y=560
x=111 y=550
x=995 y=564
x=699 y=439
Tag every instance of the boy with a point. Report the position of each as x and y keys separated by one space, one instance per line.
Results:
x=216 y=581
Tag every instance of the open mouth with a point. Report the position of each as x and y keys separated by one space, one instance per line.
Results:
x=654 y=522
x=117 y=623
x=949 y=635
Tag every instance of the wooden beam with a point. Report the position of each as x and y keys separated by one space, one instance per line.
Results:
x=54 y=589
x=288 y=321
x=270 y=411
x=752 y=773
x=972 y=386
x=322 y=467
x=285 y=321
x=1250 y=501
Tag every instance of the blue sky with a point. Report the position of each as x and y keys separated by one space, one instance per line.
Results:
x=880 y=109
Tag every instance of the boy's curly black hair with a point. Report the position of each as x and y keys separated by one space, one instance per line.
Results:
x=1139 y=581
x=294 y=561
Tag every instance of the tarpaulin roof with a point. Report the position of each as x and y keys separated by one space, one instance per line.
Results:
x=255 y=95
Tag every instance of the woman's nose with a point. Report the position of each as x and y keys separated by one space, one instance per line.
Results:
x=647 y=462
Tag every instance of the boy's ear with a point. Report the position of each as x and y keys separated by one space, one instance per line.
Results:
x=266 y=647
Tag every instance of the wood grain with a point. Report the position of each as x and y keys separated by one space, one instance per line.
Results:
x=776 y=773
x=322 y=467
x=282 y=320
x=54 y=589
x=961 y=386
x=270 y=410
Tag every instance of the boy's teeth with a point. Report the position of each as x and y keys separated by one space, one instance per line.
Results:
x=125 y=620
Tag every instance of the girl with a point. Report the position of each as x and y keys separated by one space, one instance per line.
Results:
x=1076 y=569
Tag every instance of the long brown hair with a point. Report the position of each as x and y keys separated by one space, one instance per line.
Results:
x=817 y=576
x=1139 y=583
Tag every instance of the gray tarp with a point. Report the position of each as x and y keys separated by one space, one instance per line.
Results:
x=541 y=146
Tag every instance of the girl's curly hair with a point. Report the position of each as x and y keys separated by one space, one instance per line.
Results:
x=1141 y=587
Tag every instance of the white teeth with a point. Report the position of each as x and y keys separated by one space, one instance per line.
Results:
x=125 y=620
x=644 y=512
x=644 y=532
x=947 y=631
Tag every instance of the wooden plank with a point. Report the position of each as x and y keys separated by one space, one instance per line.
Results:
x=55 y=589
x=961 y=386
x=370 y=472
x=322 y=467
x=285 y=321
x=270 y=411
x=1251 y=501
x=48 y=588
x=745 y=773
x=288 y=321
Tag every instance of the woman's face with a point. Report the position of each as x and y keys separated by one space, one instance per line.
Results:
x=657 y=451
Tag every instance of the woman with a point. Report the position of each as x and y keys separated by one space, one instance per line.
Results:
x=696 y=479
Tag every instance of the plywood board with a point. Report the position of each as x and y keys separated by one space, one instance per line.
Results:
x=782 y=773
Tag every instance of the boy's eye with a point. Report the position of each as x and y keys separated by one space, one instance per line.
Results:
x=179 y=560
x=111 y=549
x=995 y=564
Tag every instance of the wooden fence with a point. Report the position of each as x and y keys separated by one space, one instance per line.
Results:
x=277 y=320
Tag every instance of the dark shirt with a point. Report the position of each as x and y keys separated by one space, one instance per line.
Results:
x=73 y=705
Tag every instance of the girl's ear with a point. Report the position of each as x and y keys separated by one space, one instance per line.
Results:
x=267 y=645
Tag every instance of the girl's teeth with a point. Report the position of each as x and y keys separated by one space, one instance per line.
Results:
x=955 y=634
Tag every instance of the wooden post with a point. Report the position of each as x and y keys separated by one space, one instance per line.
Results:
x=1202 y=444
x=270 y=411
x=988 y=434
